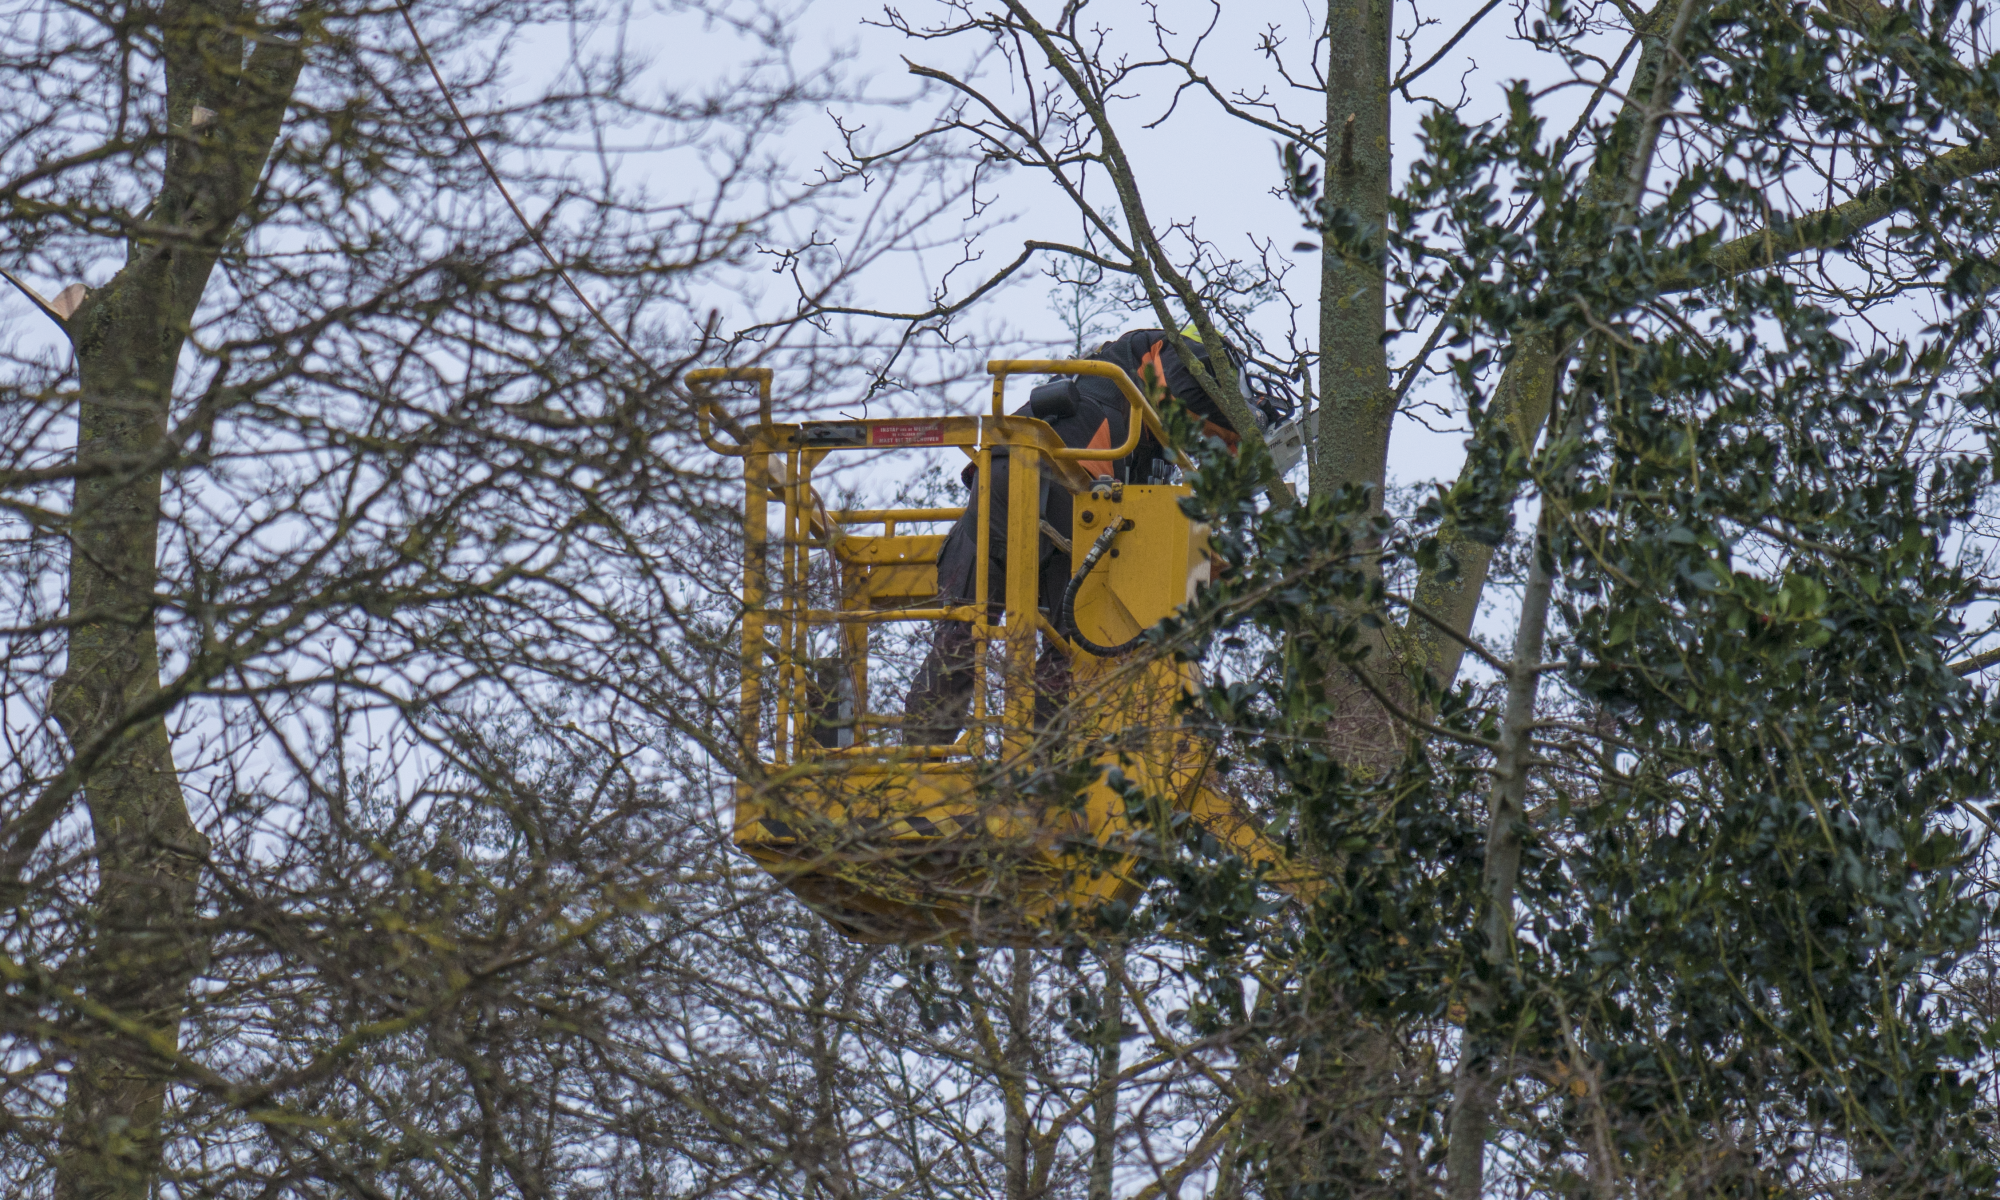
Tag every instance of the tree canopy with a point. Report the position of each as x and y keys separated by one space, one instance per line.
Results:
x=368 y=662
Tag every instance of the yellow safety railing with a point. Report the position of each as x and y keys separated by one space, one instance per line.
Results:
x=779 y=462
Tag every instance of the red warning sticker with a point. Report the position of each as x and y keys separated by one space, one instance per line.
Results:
x=906 y=433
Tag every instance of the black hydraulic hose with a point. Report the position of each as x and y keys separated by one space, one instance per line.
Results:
x=1066 y=612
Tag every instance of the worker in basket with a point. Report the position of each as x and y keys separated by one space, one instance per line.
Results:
x=1085 y=411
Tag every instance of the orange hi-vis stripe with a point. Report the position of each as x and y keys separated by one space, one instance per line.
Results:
x=1101 y=440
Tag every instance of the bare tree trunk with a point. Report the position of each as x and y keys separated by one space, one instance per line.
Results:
x=1478 y=1075
x=823 y=1153
x=1019 y=995
x=1340 y=1092
x=144 y=948
x=1357 y=408
x=1104 y=1118
x=146 y=942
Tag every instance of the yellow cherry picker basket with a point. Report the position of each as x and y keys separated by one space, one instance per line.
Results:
x=1014 y=833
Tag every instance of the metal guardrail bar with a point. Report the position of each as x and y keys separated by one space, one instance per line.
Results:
x=871 y=516
x=699 y=381
x=1000 y=368
x=823 y=616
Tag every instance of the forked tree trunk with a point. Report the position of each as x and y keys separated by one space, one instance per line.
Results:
x=145 y=941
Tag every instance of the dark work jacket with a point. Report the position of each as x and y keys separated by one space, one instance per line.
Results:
x=1084 y=411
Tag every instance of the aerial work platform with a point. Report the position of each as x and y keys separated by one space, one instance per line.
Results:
x=1023 y=828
